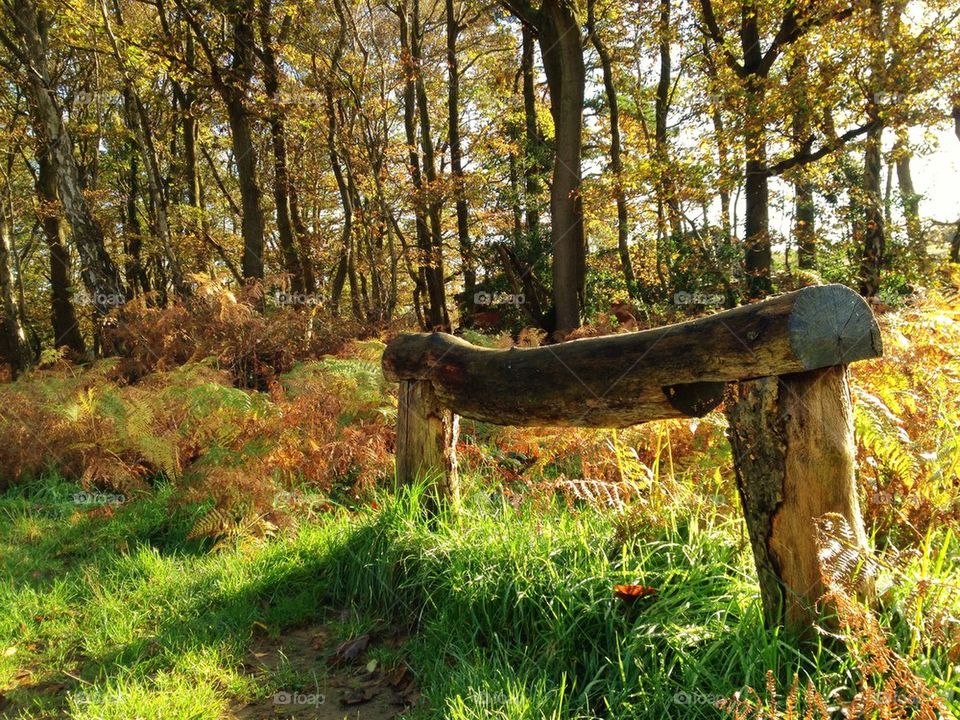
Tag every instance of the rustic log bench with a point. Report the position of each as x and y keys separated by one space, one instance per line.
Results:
x=779 y=364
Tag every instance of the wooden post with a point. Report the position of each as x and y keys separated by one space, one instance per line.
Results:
x=427 y=441
x=794 y=455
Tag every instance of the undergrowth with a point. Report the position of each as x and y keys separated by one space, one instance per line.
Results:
x=510 y=612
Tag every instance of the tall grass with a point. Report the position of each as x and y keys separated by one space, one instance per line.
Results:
x=509 y=610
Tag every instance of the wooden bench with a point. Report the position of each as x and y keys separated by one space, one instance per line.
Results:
x=779 y=364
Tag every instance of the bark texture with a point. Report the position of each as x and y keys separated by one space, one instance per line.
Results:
x=426 y=441
x=794 y=454
x=620 y=380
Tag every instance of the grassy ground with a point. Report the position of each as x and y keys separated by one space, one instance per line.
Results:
x=503 y=612
x=253 y=558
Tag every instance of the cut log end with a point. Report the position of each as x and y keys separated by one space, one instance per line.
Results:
x=832 y=325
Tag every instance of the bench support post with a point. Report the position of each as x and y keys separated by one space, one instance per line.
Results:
x=794 y=456
x=426 y=441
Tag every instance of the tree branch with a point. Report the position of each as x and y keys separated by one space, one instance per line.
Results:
x=805 y=156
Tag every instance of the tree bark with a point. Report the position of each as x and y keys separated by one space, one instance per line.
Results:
x=426 y=443
x=467 y=259
x=14 y=348
x=97 y=269
x=666 y=185
x=621 y=380
x=430 y=271
x=616 y=162
x=794 y=456
x=66 y=330
x=910 y=198
x=136 y=276
x=805 y=213
x=534 y=165
x=428 y=159
x=278 y=135
x=233 y=85
x=562 y=51
x=758 y=257
x=872 y=230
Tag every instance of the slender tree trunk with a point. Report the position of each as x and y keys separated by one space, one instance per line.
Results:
x=66 y=331
x=345 y=265
x=278 y=136
x=431 y=276
x=251 y=227
x=233 y=87
x=616 y=162
x=14 y=348
x=562 y=51
x=136 y=276
x=97 y=269
x=456 y=162
x=910 y=198
x=535 y=152
x=434 y=207
x=872 y=230
x=955 y=245
x=804 y=204
x=758 y=258
x=666 y=185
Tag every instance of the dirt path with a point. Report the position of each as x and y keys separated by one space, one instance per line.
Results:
x=346 y=683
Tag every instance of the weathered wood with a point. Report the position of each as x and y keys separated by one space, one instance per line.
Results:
x=620 y=380
x=426 y=441
x=794 y=455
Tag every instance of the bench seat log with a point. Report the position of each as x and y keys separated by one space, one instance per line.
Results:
x=620 y=380
x=782 y=363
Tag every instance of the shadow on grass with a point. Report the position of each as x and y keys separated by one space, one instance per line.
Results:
x=510 y=612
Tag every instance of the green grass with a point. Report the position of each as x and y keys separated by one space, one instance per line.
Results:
x=509 y=611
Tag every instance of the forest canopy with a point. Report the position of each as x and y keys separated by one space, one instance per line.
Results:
x=461 y=164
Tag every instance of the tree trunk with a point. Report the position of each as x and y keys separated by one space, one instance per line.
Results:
x=805 y=213
x=616 y=162
x=234 y=89
x=666 y=186
x=14 y=348
x=456 y=162
x=430 y=274
x=278 y=135
x=872 y=231
x=562 y=51
x=535 y=151
x=66 y=331
x=756 y=193
x=434 y=208
x=97 y=269
x=794 y=451
x=136 y=276
x=910 y=198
